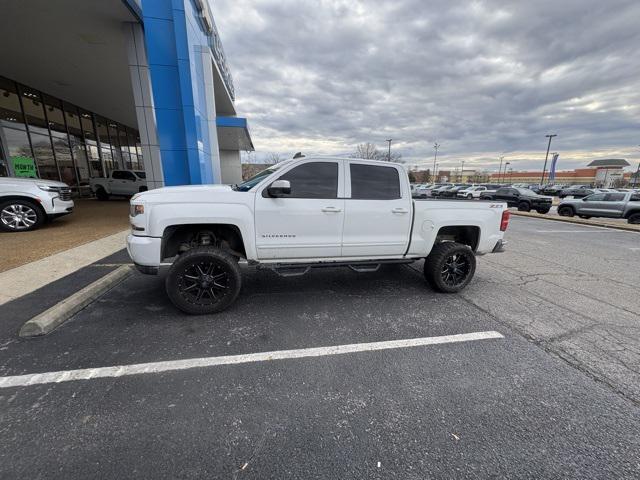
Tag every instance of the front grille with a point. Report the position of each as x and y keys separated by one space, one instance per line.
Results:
x=65 y=194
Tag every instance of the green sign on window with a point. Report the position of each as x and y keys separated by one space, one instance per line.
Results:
x=24 y=167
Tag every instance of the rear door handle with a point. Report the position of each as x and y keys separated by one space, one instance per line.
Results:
x=400 y=210
x=332 y=209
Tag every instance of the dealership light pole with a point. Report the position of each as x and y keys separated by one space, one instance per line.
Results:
x=635 y=179
x=436 y=146
x=544 y=169
x=504 y=174
x=500 y=169
x=389 y=155
x=462 y=172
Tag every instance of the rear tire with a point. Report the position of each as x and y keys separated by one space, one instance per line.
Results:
x=20 y=216
x=204 y=280
x=634 y=218
x=449 y=267
x=524 y=207
x=566 y=211
x=470 y=197
x=101 y=194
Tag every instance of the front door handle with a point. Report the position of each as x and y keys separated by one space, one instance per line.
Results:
x=332 y=209
x=400 y=210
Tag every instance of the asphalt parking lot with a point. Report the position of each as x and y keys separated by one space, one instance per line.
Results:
x=556 y=397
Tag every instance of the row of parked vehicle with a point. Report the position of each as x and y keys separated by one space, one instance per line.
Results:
x=578 y=200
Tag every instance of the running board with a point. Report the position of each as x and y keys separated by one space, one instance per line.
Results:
x=299 y=269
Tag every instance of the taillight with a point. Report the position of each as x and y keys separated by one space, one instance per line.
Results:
x=504 y=223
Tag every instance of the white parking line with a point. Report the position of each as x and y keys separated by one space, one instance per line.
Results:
x=173 y=365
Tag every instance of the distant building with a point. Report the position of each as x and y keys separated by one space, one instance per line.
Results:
x=600 y=173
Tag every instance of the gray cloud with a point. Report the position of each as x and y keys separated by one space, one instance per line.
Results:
x=481 y=77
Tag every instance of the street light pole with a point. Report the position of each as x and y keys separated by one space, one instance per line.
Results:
x=462 y=172
x=504 y=174
x=544 y=169
x=500 y=169
x=389 y=156
x=635 y=179
x=435 y=155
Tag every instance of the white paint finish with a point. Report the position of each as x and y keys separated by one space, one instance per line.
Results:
x=177 y=365
x=299 y=227
x=376 y=228
x=27 y=278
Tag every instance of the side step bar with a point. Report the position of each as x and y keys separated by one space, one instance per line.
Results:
x=299 y=269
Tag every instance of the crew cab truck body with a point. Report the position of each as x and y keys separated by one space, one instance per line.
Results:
x=119 y=182
x=604 y=204
x=300 y=214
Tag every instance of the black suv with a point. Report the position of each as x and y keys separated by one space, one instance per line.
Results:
x=523 y=198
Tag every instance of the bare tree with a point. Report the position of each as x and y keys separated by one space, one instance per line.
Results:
x=367 y=151
x=274 y=158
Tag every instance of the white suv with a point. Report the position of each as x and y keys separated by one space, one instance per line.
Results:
x=26 y=203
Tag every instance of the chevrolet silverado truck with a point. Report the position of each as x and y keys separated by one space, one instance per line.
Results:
x=27 y=203
x=120 y=183
x=301 y=214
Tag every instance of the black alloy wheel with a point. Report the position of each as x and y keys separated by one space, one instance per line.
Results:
x=524 y=207
x=203 y=280
x=450 y=267
x=566 y=211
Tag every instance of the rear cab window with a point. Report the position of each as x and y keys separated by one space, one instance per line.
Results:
x=374 y=182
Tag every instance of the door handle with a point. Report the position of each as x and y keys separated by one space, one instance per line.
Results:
x=400 y=210
x=331 y=209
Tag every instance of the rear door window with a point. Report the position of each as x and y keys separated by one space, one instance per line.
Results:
x=614 y=197
x=374 y=182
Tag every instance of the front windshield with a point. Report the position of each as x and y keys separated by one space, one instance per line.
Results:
x=141 y=175
x=256 y=179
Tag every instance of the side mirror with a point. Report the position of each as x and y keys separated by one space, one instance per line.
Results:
x=279 y=188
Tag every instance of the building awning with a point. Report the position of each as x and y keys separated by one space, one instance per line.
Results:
x=233 y=134
x=609 y=163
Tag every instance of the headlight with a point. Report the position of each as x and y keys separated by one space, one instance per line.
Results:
x=137 y=210
x=48 y=188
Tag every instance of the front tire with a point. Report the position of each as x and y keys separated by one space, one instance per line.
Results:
x=102 y=195
x=469 y=197
x=20 y=216
x=203 y=280
x=449 y=267
x=566 y=211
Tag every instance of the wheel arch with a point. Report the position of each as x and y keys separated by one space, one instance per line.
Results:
x=27 y=198
x=631 y=212
x=177 y=239
x=465 y=234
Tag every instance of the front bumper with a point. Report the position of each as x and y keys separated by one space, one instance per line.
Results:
x=57 y=207
x=145 y=252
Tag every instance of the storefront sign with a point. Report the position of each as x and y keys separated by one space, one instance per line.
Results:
x=24 y=167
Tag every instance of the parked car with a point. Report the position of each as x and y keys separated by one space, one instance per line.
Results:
x=437 y=191
x=581 y=192
x=453 y=191
x=554 y=189
x=361 y=221
x=604 y=204
x=471 y=192
x=422 y=191
x=523 y=198
x=26 y=203
x=119 y=182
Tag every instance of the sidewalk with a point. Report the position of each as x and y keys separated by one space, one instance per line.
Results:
x=91 y=220
x=22 y=280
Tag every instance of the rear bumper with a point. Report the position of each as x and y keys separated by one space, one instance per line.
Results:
x=499 y=246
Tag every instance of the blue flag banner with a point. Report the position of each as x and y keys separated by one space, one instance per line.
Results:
x=552 y=170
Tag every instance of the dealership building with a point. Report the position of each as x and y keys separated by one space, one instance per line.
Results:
x=89 y=86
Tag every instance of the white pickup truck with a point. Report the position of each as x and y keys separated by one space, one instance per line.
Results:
x=300 y=214
x=119 y=182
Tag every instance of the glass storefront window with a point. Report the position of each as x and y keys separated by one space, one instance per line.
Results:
x=10 y=111
x=62 y=141
x=44 y=156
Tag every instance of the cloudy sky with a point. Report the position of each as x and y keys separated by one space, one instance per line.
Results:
x=483 y=79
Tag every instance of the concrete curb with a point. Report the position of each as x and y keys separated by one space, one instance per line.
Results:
x=55 y=316
x=578 y=221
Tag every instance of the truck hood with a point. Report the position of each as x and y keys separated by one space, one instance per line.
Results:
x=207 y=193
